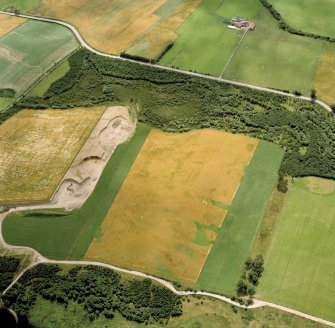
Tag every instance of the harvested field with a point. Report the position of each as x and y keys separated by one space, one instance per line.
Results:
x=110 y=26
x=37 y=148
x=8 y=23
x=299 y=268
x=153 y=43
x=31 y=50
x=325 y=74
x=164 y=207
x=224 y=264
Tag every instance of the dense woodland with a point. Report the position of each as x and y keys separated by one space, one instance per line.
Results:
x=100 y=291
x=8 y=267
x=176 y=102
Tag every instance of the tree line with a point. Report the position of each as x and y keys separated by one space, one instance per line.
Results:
x=100 y=291
x=176 y=102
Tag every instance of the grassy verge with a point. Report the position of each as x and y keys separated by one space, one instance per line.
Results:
x=203 y=313
x=299 y=268
x=71 y=235
x=41 y=87
x=225 y=261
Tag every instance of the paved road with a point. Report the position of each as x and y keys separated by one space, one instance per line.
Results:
x=38 y=258
x=87 y=46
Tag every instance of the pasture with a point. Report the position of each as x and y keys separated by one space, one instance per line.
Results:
x=224 y=264
x=67 y=235
x=30 y=51
x=5 y=102
x=112 y=26
x=254 y=60
x=24 y=6
x=165 y=204
x=156 y=40
x=9 y=23
x=315 y=16
x=42 y=86
x=36 y=149
x=299 y=268
x=204 y=42
x=325 y=74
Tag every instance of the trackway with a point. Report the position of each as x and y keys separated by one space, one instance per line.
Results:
x=209 y=77
x=37 y=258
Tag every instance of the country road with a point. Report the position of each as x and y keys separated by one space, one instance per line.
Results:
x=209 y=77
x=37 y=258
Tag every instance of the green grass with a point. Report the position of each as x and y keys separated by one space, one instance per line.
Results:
x=274 y=58
x=41 y=87
x=316 y=16
x=205 y=313
x=5 y=102
x=31 y=50
x=224 y=263
x=168 y=7
x=204 y=42
x=24 y=6
x=299 y=269
x=69 y=237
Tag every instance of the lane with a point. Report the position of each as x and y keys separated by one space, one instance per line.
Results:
x=209 y=77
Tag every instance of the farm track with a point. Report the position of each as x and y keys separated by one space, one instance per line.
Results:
x=37 y=258
x=209 y=77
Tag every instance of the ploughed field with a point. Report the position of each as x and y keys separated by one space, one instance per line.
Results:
x=30 y=50
x=37 y=148
x=166 y=216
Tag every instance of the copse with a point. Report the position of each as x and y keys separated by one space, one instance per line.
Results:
x=176 y=102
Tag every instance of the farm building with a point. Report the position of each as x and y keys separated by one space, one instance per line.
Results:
x=240 y=22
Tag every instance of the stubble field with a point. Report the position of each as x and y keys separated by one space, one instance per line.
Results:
x=165 y=217
x=9 y=23
x=36 y=149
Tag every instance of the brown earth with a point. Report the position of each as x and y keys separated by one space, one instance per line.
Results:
x=151 y=225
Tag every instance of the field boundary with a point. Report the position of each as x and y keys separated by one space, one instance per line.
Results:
x=167 y=68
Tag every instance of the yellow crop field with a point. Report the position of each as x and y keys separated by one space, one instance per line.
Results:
x=8 y=23
x=325 y=74
x=107 y=25
x=166 y=214
x=154 y=42
x=37 y=147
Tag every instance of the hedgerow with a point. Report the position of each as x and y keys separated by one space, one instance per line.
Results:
x=177 y=102
x=100 y=291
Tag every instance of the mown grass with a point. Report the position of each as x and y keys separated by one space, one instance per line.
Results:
x=33 y=49
x=41 y=87
x=5 y=102
x=315 y=16
x=204 y=42
x=69 y=237
x=299 y=269
x=275 y=58
x=224 y=263
x=203 y=313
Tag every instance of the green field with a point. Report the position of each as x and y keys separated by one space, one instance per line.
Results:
x=204 y=42
x=274 y=58
x=30 y=51
x=204 y=313
x=69 y=236
x=5 y=102
x=23 y=6
x=299 y=269
x=315 y=16
x=224 y=263
x=42 y=86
